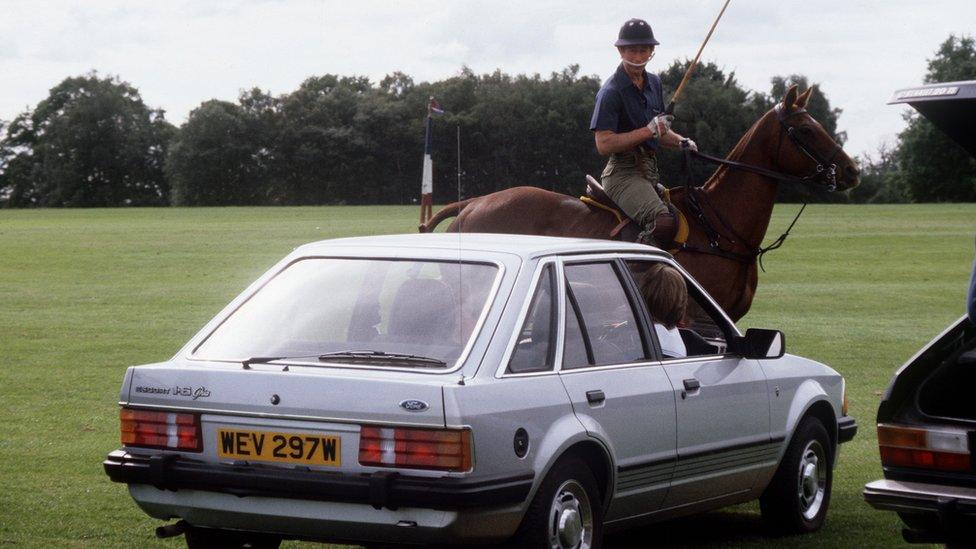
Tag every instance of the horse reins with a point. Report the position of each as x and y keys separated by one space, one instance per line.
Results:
x=825 y=171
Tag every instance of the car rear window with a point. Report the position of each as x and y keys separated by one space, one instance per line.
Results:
x=328 y=305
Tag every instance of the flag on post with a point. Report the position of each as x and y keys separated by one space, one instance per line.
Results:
x=427 y=181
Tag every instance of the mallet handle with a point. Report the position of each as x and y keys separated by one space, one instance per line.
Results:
x=691 y=68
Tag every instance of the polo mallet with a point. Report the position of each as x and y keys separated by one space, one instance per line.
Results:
x=691 y=68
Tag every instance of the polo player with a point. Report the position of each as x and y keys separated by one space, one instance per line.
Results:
x=629 y=124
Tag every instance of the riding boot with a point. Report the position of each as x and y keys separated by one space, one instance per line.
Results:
x=661 y=232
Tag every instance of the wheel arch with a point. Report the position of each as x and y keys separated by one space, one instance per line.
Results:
x=597 y=458
x=823 y=411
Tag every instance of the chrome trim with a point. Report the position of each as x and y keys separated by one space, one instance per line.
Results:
x=561 y=320
x=263 y=415
x=459 y=363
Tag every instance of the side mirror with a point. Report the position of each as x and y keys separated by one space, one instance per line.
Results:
x=761 y=343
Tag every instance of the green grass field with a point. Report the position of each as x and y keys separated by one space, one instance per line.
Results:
x=86 y=293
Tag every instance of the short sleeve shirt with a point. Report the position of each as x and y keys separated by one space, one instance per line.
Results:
x=622 y=107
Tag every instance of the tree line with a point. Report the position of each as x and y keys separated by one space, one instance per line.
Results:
x=347 y=140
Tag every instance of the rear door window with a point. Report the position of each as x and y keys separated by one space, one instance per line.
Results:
x=600 y=319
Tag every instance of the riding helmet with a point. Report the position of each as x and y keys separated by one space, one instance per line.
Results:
x=636 y=32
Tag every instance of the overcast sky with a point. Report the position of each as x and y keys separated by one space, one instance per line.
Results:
x=179 y=54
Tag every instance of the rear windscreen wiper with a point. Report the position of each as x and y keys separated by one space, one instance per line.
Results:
x=381 y=356
x=267 y=359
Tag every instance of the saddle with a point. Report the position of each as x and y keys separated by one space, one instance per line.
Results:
x=670 y=233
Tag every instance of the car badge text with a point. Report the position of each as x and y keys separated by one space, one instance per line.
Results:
x=199 y=392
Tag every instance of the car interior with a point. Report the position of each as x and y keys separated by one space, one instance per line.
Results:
x=948 y=392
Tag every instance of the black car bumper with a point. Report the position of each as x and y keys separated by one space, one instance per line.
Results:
x=846 y=429
x=383 y=489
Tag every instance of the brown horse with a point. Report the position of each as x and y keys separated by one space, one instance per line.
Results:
x=728 y=215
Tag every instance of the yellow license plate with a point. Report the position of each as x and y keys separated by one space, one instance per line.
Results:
x=301 y=448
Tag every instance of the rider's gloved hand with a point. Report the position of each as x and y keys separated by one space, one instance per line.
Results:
x=689 y=144
x=660 y=125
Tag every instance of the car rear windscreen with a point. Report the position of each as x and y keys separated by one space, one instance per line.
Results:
x=318 y=306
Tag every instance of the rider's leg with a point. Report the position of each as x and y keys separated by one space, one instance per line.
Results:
x=630 y=180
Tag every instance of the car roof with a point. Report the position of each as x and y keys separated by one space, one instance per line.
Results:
x=527 y=246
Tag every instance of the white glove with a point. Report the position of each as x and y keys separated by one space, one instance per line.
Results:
x=689 y=144
x=660 y=125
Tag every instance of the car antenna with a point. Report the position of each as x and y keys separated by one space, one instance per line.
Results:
x=460 y=302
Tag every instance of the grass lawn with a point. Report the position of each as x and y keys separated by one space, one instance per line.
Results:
x=86 y=293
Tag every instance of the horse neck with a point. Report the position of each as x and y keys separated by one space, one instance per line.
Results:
x=744 y=200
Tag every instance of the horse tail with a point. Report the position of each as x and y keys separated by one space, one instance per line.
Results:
x=451 y=210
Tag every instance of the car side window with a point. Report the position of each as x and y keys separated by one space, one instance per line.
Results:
x=599 y=314
x=685 y=323
x=535 y=348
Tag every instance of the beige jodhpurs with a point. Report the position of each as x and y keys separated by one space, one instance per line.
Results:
x=630 y=180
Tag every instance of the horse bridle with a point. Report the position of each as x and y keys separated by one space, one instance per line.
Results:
x=826 y=169
x=825 y=172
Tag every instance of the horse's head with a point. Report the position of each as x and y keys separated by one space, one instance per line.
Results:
x=804 y=147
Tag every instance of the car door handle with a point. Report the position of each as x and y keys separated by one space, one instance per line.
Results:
x=692 y=384
x=595 y=397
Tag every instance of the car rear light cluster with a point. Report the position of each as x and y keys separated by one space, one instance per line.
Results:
x=440 y=449
x=153 y=429
x=937 y=449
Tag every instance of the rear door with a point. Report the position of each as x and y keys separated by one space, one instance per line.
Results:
x=722 y=406
x=618 y=392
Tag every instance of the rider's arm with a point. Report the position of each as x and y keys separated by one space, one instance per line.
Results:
x=671 y=140
x=608 y=142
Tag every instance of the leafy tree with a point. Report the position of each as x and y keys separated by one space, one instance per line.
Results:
x=880 y=182
x=932 y=166
x=91 y=142
x=522 y=130
x=322 y=156
x=220 y=155
x=714 y=110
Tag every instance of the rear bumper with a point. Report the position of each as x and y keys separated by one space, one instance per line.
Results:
x=846 y=429
x=952 y=509
x=381 y=490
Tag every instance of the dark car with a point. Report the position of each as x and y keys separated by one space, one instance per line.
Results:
x=927 y=418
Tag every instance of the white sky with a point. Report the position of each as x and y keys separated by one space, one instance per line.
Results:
x=180 y=53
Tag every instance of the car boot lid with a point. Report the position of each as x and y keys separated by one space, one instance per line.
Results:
x=292 y=391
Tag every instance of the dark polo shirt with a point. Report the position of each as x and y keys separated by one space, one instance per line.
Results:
x=622 y=107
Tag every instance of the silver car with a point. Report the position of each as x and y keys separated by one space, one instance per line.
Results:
x=472 y=389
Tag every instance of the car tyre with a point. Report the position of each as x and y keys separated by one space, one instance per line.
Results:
x=566 y=511
x=796 y=500
x=200 y=538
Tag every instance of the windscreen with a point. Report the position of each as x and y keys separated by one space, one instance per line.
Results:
x=326 y=305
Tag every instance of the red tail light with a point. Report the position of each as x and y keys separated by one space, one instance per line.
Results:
x=942 y=449
x=152 y=429
x=440 y=449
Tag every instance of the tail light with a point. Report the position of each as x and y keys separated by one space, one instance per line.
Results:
x=439 y=449
x=937 y=449
x=153 y=429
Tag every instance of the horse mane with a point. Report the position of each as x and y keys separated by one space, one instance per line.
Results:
x=737 y=152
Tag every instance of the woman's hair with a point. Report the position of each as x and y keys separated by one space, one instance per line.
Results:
x=665 y=293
